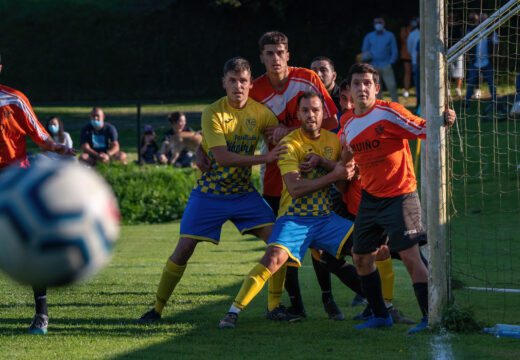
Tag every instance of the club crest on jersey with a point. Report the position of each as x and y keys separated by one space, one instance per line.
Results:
x=251 y=124
x=379 y=129
x=327 y=151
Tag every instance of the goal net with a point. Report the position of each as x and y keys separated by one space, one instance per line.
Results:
x=483 y=158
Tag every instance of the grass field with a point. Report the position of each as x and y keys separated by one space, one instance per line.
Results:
x=96 y=320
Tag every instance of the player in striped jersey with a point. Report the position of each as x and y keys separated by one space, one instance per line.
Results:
x=231 y=128
x=17 y=119
x=279 y=89
x=305 y=218
x=376 y=136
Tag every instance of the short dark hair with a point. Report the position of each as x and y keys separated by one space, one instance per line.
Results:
x=273 y=38
x=324 y=58
x=309 y=95
x=237 y=64
x=343 y=85
x=175 y=117
x=362 y=68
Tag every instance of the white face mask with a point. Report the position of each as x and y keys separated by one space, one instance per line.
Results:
x=378 y=27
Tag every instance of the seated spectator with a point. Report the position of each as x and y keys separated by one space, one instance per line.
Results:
x=99 y=140
x=55 y=127
x=180 y=143
x=148 y=146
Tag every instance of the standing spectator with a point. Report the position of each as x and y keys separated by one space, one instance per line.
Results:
x=405 y=55
x=55 y=127
x=480 y=61
x=148 y=146
x=180 y=142
x=99 y=140
x=457 y=67
x=412 y=44
x=381 y=48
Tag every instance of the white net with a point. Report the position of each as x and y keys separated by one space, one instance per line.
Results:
x=484 y=164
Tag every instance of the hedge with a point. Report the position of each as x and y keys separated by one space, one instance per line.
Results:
x=151 y=194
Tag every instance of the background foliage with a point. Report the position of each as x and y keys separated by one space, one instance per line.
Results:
x=152 y=194
x=170 y=49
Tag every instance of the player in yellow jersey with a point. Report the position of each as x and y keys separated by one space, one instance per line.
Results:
x=305 y=218
x=231 y=128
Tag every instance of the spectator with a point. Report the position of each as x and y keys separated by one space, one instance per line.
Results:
x=457 y=67
x=480 y=61
x=405 y=55
x=412 y=44
x=55 y=128
x=148 y=146
x=99 y=140
x=380 y=50
x=180 y=143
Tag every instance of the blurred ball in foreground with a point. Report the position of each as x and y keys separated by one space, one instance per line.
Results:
x=58 y=222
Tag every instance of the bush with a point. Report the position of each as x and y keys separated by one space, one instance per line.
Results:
x=149 y=194
x=152 y=194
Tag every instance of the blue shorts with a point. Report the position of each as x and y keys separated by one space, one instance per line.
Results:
x=205 y=214
x=295 y=234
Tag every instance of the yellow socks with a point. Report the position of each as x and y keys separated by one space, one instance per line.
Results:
x=275 y=286
x=171 y=275
x=252 y=285
x=386 y=271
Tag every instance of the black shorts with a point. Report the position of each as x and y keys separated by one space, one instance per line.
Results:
x=399 y=217
x=273 y=202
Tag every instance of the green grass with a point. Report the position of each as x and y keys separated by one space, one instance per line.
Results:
x=124 y=117
x=96 y=320
x=485 y=211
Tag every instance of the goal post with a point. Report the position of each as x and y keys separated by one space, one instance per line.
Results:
x=470 y=174
x=433 y=28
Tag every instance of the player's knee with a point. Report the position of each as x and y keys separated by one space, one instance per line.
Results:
x=274 y=258
x=183 y=251
x=383 y=253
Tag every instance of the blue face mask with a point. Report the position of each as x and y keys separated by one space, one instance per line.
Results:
x=96 y=124
x=413 y=24
x=54 y=129
x=378 y=27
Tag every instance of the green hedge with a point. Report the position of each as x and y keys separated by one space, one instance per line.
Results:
x=151 y=194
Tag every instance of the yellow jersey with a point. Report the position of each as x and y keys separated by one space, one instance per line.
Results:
x=239 y=130
x=299 y=146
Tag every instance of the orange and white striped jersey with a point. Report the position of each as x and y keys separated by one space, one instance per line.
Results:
x=284 y=105
x=379 y=141
x=17 y=119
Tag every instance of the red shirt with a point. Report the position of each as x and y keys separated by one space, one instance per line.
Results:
x=17 y=120
x=352 y=196
x=284 y=105
x=379 y=142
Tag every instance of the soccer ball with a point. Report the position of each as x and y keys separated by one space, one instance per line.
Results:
x=58 y=222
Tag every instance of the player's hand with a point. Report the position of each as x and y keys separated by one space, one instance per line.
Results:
x=64 y=150
x=104 y=157
x=279 y=133
x=202 y=159
x=268 y=132
x=449 y=117
x=351 y=171
x=274 y=154
x=310 y=162
x=339 y=172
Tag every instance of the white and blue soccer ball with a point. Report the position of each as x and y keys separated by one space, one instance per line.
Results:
x=58 y=222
